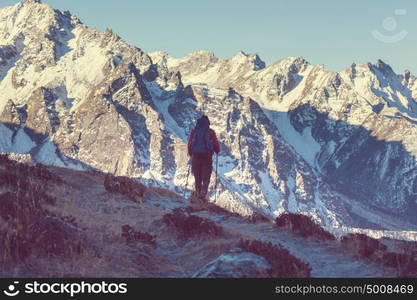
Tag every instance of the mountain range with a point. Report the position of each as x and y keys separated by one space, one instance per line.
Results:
x=295 y=137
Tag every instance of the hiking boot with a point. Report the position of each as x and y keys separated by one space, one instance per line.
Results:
x=193 y=197
x=203 y=198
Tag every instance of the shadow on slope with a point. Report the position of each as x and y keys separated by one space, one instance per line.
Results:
x=19 y=139
x=378 y=173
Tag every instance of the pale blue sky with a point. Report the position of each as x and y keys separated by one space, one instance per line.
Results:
x=329 y=32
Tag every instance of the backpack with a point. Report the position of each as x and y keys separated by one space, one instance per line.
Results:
x=202 y=142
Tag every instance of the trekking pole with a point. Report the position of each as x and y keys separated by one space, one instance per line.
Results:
x=215 y=184
x=188 y=175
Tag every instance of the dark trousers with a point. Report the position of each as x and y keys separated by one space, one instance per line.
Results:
x=202 y=167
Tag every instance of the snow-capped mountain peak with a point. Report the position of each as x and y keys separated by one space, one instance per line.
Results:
x=253 y=60
x=291 y=63
x=382 y=67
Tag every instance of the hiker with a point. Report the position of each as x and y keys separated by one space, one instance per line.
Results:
x=202 y=143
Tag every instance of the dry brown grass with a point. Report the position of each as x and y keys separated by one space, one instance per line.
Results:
x=403 y=256
x=304 y=226
x=125 y=186
x=87 y=232
x=151 y=191
x=81 y=203
x=283 y=263
x=27 y=227
x=188 y=226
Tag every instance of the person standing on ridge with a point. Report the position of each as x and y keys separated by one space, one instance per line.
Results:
x=202 y=144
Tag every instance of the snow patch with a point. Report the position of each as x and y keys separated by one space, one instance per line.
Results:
x=48 y=155
x=5 y=138
x=22 y=143
x=304 y=143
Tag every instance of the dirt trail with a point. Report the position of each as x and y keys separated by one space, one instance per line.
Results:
x=327 y=259
x=103 y=215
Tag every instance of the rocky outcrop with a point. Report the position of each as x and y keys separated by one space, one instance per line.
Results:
x=10 y=114
x=42 y=115
x=235 y=264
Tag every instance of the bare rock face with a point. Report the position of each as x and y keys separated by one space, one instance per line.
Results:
x=106 y=137
x=102 y=132
x=7 y=55
x=41 y=113
x=10 y=113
